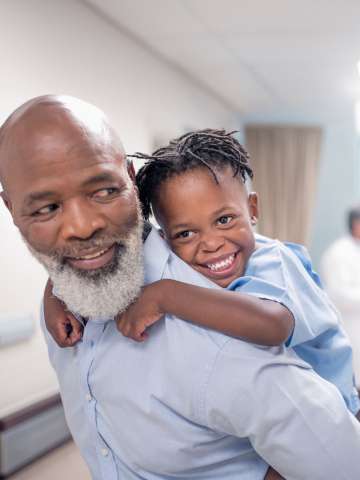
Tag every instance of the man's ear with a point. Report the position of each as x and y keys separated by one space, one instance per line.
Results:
x=6 y=200
x=131 y=170
x=253 y=207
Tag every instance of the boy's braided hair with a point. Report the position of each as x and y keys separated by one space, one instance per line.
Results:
x=211 y=149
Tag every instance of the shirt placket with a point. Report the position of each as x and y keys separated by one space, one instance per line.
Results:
x=105 y=456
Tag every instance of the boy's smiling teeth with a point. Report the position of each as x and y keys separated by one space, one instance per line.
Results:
x=215 y=267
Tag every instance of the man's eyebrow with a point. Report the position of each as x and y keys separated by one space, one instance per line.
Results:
x=100 y=178
x=38 y=196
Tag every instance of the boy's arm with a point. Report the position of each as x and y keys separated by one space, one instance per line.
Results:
x=272 y=474
x=239 y=315
x=61 y=324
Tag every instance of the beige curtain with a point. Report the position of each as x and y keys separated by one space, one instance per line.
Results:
x=285 y=161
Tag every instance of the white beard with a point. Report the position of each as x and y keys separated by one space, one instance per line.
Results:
x=104 y=293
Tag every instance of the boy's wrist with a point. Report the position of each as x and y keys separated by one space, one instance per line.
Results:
x=163 y=294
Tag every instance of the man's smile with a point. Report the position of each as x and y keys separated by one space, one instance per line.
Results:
x=93 y=260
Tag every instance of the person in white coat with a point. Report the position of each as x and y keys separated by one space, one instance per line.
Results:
x=340 y=268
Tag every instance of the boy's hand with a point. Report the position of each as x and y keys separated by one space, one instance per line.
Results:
x=61 y=324
x=142 y=313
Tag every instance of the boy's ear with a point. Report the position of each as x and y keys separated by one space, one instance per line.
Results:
x=161 y=233
x=253 y=207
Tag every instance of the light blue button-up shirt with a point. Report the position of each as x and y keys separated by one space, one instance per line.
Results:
x=190 y=403
x=275 y=271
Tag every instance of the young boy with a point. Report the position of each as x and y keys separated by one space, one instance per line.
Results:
x=268 y=294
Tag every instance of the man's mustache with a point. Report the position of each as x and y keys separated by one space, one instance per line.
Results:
x=79 y=248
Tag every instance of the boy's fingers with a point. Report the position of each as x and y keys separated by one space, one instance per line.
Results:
x=119 y=321
x=75 y=336
x=144 y=336
x=71 y=341
x=125 y=329
x=140 y=329
x=66 y=338
x=77 y=327
x=74 y=322
x=60 y=336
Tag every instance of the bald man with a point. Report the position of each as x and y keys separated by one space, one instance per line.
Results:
x=188 y=403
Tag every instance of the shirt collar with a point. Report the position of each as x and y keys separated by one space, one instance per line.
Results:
x=156 y=256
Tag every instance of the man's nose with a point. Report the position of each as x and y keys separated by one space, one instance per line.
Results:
x=81 y=221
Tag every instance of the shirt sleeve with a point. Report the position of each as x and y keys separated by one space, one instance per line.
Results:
x=296 y=421
x=275 y=273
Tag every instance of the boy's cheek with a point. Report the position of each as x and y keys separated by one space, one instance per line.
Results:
x=181 y=252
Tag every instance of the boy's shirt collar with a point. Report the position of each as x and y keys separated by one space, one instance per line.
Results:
x=156 y=256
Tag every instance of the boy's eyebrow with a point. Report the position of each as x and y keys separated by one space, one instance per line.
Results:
x=221 y=210
x=180 y=226
x=214 y=214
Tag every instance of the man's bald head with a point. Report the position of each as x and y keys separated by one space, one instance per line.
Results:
x=35 y=121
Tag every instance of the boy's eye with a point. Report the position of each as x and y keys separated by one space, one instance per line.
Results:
x=184 y=234
x=46 y=210
x=225 y=219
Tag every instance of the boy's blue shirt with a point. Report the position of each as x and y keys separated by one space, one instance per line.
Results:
x=283 y=272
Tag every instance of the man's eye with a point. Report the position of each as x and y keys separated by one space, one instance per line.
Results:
x=225 y=219
x=106 y=192
x=46 y=210
x=184 y=234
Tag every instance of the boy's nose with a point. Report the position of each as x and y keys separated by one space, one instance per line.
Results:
x=212 y=243
x=81 y=221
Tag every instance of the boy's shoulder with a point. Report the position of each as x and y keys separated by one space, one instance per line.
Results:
x=276 y=255
x=271 y=249
x=267 y=243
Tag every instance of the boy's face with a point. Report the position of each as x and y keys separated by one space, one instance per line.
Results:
x=208 y=225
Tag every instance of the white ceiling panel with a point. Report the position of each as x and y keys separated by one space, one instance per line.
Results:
x=258 y=55
x=276 y=15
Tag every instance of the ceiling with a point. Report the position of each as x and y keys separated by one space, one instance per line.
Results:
x=263 y=58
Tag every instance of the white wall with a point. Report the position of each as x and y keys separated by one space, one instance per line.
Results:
x=63 y=47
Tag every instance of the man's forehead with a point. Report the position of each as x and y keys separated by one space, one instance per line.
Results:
x=44 y=125
x=48 y=107
x=51 y=125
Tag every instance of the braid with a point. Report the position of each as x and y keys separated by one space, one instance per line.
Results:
x=211 y=149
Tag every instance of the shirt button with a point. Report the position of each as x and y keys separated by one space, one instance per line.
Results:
x=88 y=397
x=104 y=452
